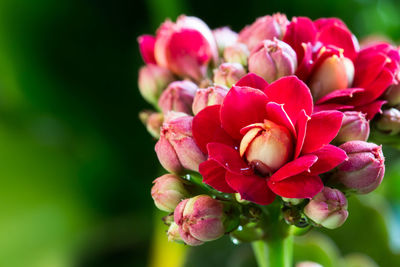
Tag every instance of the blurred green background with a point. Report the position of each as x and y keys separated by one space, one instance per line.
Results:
x=76 y=165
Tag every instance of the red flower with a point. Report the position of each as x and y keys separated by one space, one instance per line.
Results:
x=185 y=47
x=356 y=79
x=264 y=140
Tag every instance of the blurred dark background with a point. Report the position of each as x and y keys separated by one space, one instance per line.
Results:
x=76 y=165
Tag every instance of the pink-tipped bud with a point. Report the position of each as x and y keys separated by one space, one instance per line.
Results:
x=208 y=97
x=200 y=219
x=334 y=73
x=237 y=53
x=153 y=80
x=264 y=28
x=273 y=59
x=392 y=95
x=178 y=97
x=354 y=127
x=389 y=122
x=176 y=148
x=152 y=121
x=328 y=208
x=168 y=190
x=224 y=37
x=228 y=74
x=363 y=171
x=173 y=233
x=266 y=146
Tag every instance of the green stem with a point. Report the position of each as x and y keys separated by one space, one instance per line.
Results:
x=260 y=252
x=274 y=252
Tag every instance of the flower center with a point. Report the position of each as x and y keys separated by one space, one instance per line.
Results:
x=266 y=147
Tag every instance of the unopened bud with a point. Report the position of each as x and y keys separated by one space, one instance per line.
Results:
x=389 y=122
x=354 y=127
x=328 y=208
x=168 y=190
x=293 y=201
x=152 y=121
x=392 y=95
x=273 y=59
x=208 y=97
x=224 y=37
x=153 y=80
x=173 y=233
x=363 y=171
x=237 y=53
x=176 y=148
x=228 y=74
x=334 y=73
x=200 y=219
x=178 y=97
x=264 y=28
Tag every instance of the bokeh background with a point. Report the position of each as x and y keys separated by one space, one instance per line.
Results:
x=76 y=165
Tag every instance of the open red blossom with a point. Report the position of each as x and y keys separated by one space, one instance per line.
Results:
x=264 y=140
x=340 y=75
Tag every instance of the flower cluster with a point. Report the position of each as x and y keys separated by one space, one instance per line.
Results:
x=275 y=116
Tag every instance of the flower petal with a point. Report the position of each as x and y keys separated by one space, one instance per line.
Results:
x=214 y=175
x=329 y=157
x=294 y=167
x=305 y=65
x=339 y=37
x=301 y=128
x=228 y=158
x=207 y=128
x=277 y=114
x=371 y=109
x=321 y=130
x=300 y=30
x=368 y=65
x=252 y=188
x=332 y=106
x=242 y=106
x=146 y=47
x=252 y=80
x=340 y=96
x=293 y=93
x=299 y=186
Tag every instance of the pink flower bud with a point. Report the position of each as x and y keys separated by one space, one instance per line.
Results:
x=185 y=47
x=152 y=121
x=334 y=73
x=200 y=219
x=178 y=97
x=392 y=95
x=208 y=97
x=168 y=190
x=237 y=53
x=273 y=60
x=389 y=122
x=363 y=171
x=228 y=74
x=264 y=28
x=354 y=127
x=224 y=37
x=266 y=146
x=328 y=208
x=176 y=148
x=153 y=80
x=173 y=233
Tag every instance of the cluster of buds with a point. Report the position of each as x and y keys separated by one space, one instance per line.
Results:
x=276 y=115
